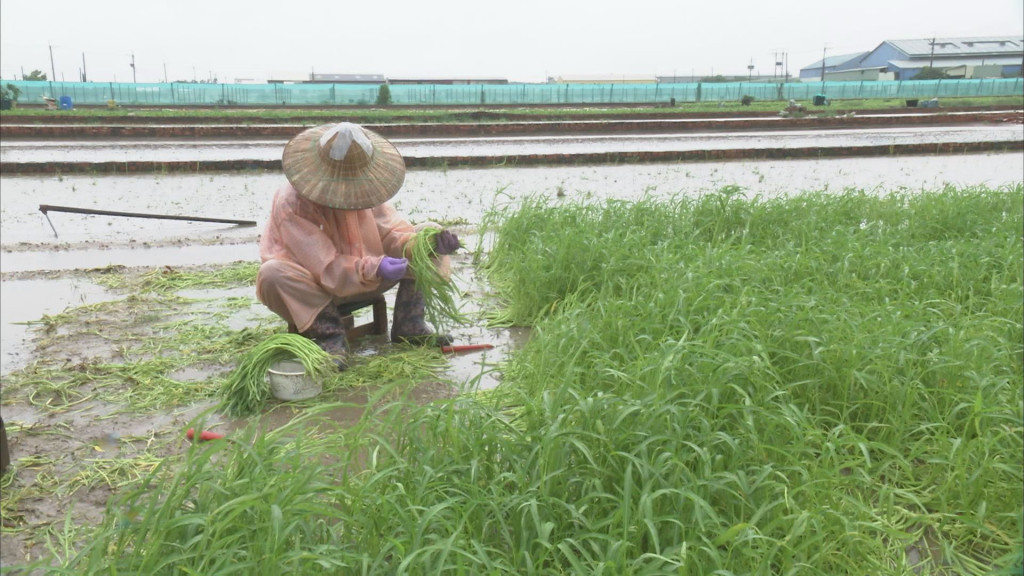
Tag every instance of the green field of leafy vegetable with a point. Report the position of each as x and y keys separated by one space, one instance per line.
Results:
x=823 y=383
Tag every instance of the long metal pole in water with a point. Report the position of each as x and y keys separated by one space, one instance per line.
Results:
x=45 y=208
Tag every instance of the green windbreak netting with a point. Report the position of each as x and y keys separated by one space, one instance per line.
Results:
x=199 y=94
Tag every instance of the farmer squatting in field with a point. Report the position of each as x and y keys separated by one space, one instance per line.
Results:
x=333 y=239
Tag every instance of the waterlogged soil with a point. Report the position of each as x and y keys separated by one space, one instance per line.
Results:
x=72 y=450
x=158 y=150
x=69 y=461
x=457 y=197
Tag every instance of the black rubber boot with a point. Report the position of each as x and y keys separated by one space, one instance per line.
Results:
x=329 y=334
x=409 y=325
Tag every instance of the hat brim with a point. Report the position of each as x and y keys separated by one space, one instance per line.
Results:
x=333 y=184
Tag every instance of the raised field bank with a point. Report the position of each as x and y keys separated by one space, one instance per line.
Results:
x=697 y=375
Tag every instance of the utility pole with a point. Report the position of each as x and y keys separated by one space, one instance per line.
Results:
x=165 y=72
x=83 y=68
x=931 y=61
x=53 y=71
x=823 y=50
x=133 y=68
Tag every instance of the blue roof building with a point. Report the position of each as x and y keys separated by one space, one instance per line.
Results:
x=1001 y=56
x=970 y=57
x=821 y=69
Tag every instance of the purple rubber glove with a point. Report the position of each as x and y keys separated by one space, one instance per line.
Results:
x=446 y=242
x=392 y=268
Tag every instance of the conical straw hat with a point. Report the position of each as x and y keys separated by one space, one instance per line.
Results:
x=343 y=166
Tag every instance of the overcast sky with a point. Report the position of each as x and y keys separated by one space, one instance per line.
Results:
x=520 y=40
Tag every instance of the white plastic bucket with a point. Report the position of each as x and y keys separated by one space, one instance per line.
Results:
x=288 y=381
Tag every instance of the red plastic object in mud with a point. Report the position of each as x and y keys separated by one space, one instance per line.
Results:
x=466 y=348
x=203 y=436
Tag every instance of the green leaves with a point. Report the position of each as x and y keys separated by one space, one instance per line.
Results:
x=440 y=293
x=723 y=385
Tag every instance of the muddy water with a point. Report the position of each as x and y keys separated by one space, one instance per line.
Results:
x=25 y=301
x=208 y=150
x=40 y=271
x=50 y=448
x=453 y=196
x=459 y=197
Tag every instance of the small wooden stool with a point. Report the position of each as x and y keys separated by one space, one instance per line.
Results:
x=379 y=324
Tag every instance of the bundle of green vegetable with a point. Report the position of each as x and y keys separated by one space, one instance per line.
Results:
x=247 y=389
x=439 y=292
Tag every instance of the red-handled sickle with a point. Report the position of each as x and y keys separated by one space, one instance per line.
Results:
x=203 y=436
x=466 y=348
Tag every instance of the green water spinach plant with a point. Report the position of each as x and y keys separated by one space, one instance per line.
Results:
x=885 y=316
x=821 y=382
x=440 y=293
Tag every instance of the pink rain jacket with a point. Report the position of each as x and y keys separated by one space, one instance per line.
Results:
x=340 y=248
x=322 y=254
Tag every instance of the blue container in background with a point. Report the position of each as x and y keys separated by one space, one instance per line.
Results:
x=65 y=103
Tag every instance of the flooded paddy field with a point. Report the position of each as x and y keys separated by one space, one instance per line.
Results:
x=458 y=196
x=47 y=263
x=33 y=243
x=154 y=128
x=166 y=150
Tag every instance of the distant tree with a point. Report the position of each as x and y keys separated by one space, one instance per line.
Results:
x=718 y=78
x=929 y=73
x=35 y=75
x=10 y=92
x=384 y=95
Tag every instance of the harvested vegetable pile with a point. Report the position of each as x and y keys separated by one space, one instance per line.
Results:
x=246 y=389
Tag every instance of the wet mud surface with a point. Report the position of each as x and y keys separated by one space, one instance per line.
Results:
x=849 y=120
x=72 y=448
x=39 y=151
x=47 y=266
x=458 y=197
x=457 y=114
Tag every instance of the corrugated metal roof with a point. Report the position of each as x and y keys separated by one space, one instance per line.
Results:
x=921 y=47
x=836 y=60
x=446 y=80
x=376 y=78
x=288 y=76
x=858 y=69
x=948 y=62
x=606 y=79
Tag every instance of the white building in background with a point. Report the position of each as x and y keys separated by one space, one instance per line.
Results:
x=288 y=77
x=967 y=57
x=603 y=79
